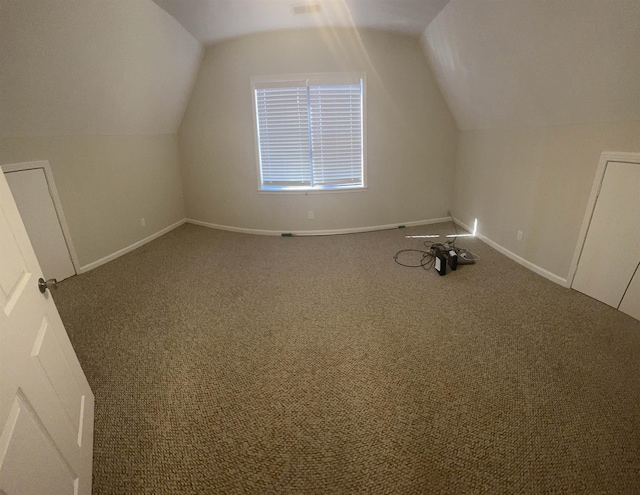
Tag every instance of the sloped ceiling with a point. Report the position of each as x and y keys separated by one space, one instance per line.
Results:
x=214 y=20
x=93 y=67
x=126 y=67
x=526 y=63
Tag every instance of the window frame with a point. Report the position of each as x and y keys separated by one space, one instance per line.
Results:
x=333 y=78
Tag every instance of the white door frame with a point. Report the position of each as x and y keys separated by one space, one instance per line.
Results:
x=48 y=174
x=605 y=158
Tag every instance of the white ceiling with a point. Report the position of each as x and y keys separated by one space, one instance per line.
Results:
x=210 y=21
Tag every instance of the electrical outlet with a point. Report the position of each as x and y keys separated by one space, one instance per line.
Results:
x=519 y=235
x=310 y=215
x=142 y=222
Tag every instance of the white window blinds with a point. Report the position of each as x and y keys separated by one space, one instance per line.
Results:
x=310 y=133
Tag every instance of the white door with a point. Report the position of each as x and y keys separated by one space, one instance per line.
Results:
x=611 y=250
x=46 y=405
x=31 y=193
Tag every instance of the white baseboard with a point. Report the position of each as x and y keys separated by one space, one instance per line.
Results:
x=135 y=245
x=319 y=232
x=463 y=225
x=518 y=259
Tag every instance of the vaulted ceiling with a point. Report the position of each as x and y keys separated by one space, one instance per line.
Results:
x=126 y=67
x=499 y=64
x=532 y=63
x=210 y=21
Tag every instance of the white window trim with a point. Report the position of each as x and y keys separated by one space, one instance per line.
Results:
x=319 y=78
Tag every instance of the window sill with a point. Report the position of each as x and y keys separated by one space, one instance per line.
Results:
x=313 y=191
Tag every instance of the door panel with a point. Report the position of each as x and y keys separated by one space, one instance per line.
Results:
x=46 y=405
x=611 y=249
x=14 y=275
x=55 y=369
x=28 y=444
x=31 y=193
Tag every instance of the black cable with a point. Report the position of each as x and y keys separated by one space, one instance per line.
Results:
x=429 y=257
x=426 y=262
x=447 y=246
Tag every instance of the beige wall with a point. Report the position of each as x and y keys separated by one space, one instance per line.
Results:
x=539 y=90
x=98 y=88
x=535 y=180
x=106 y=184
x=411 y=136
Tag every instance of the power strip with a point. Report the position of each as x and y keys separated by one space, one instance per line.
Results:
x=465 y=257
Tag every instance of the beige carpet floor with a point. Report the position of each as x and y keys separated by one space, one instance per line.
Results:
x=239 y=364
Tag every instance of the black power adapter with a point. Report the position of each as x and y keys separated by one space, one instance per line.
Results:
x=452 y=258
x=440 y=262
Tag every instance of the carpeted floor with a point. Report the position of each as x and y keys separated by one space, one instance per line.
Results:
x=230 y=363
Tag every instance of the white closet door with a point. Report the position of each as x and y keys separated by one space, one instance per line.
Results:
x=611 y=250
x=31 y=193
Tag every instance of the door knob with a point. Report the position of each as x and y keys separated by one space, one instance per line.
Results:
x=43 y=285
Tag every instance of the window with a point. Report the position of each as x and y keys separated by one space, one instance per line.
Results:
x=310 y=132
